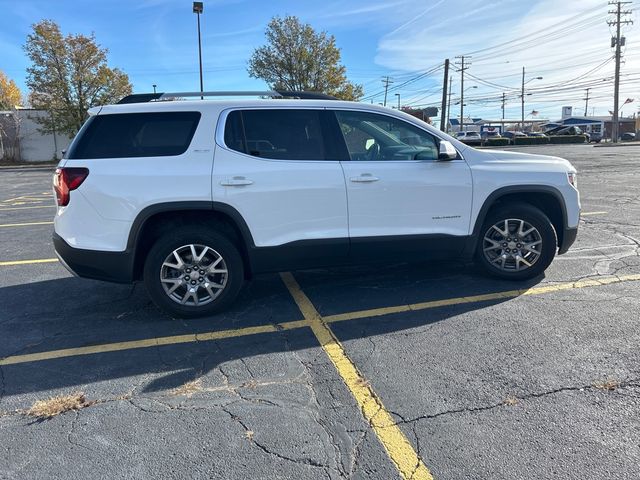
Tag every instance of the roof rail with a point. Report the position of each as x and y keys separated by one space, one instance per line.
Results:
x=150 y=97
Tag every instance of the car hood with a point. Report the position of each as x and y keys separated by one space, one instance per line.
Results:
x=519 y=159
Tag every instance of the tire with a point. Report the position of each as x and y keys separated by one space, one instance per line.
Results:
x=498 y=253
x=171 y=259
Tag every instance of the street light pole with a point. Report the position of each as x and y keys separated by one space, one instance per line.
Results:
x=522 y=95
x=398 y=95
x=197 y=9
x=154 y=88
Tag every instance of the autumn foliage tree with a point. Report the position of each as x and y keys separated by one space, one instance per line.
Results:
x=10 y=95
x=296 y=57
x=68 y=75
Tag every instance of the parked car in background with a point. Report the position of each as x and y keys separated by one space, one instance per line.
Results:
x=469 y=137
x=628 y=136
x=490 y=134
x=512 y=135
x=572 y=130
x=535 y=134
x=595 y=137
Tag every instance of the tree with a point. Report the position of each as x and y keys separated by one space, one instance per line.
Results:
x=10 y=95
x=68 y=75
x=298 y=58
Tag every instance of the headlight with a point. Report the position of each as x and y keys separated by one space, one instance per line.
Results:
x=573 y=179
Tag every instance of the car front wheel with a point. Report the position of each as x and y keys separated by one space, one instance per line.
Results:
x=193 y=272
x=517 y=242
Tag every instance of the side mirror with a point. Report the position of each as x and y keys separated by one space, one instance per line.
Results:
x=447 y=151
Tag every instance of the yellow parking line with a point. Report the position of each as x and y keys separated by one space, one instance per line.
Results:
x=152 y=342
x=25 y=224
x=376 y=312
x=401 y=452
x=584 y=214
x=25 y=208
x=27 y=262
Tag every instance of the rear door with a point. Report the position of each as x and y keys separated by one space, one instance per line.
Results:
x=275 y=168
x=403 y=201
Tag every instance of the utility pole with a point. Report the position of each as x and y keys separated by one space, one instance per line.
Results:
x=618 y=42
x=449 y=102
x=586 y=102
x=462 y=69
x=386 y=82
x=443 y=109
x=504 y=101
x=522 y=124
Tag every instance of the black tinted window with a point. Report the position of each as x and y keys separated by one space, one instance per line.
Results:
x=279 y=134
x=136 y=135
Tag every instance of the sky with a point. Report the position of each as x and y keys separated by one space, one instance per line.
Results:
x=566 y=43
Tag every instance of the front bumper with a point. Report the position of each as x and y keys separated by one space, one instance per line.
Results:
x=568 y=238
x=99 y=265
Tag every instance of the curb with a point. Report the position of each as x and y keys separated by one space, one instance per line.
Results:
x=27 y=167
x=617 y=145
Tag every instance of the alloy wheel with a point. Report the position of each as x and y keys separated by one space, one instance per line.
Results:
x=194 y=275
x=512 y=245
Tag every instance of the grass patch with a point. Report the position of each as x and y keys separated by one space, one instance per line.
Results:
x=609 y=385
x=188 y=389
x=45 y=409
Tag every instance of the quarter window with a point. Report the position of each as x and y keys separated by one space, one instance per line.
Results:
x=156 y=134
x=370 y=136
x=281 y=134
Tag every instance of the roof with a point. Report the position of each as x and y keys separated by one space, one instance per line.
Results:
x=596 y=119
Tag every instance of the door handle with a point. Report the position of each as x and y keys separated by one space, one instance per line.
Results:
x=236 y=182
x=364 y=178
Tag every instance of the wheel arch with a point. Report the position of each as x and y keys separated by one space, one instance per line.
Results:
x=156 y=220
x=546 y=198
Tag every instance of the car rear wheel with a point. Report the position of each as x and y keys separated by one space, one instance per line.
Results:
x=517 y=242
x=193 y=272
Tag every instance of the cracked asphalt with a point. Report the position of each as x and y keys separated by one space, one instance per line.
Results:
x=529 y=386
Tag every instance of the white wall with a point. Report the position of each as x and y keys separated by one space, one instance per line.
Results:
x=35 y=146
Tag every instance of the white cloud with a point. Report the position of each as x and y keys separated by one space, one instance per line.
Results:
x=557 y=46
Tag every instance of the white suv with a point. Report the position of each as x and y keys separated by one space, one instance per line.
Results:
x=194 y=197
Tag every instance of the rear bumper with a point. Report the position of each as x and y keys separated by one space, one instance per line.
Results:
x=108 y=266
x=568 y=238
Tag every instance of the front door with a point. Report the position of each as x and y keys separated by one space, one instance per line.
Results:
x=402 y=200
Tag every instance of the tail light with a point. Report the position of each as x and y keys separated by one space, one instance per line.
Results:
x=67 y=179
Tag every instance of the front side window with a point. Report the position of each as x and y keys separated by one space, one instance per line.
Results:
x=281 y=134
x=123 y=135
x=370 y=136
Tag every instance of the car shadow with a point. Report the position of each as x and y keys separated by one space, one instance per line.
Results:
x=70 y=312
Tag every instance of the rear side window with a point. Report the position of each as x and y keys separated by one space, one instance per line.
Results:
x=281 y=134
x=122 y=135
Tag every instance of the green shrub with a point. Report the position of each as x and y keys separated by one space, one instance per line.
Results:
x=531 y=140
x=568 y=139
x=496 y=142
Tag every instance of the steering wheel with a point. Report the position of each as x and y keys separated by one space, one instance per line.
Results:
x=373 y=152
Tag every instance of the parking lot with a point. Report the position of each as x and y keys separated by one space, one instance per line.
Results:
x=379 y=372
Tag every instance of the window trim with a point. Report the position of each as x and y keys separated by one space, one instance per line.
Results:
x=333 y=121
x=325 y=126
x=384 y=114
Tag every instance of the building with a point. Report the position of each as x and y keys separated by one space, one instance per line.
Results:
x=22 y=140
